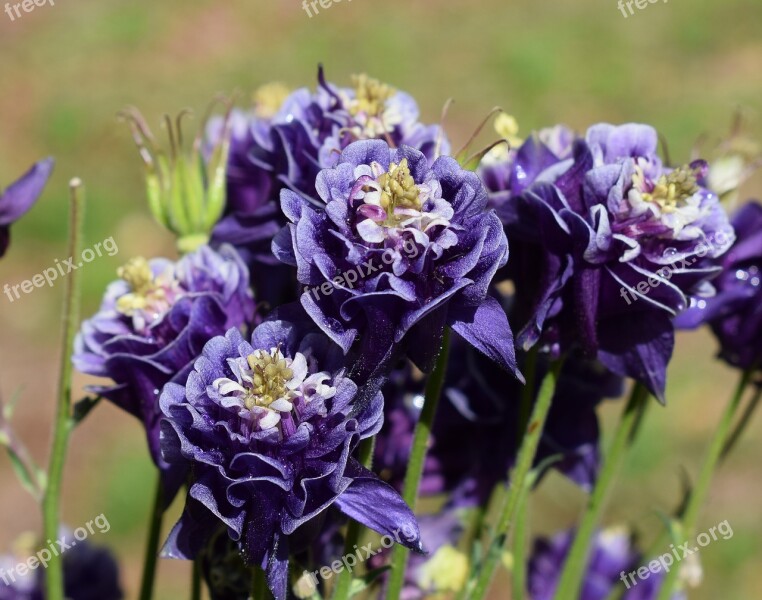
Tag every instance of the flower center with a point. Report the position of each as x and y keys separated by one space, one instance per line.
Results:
x=270 y=374
x=269 y=98
x=150 y=296
x=670 y=191
x=370 y=96
x=398 y=190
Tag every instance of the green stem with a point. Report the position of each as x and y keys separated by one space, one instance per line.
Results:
x=196 y=580
x=152 y=544
x=527 y=393
x=434 y=386
x=524 y=461
x=743 y=423
x=354 y=529
x=51 y=504
x=519 y=548
x=701 y=489
x=259 y=589
x=574 y=568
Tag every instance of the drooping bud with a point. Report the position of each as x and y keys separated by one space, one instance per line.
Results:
x=186 y=190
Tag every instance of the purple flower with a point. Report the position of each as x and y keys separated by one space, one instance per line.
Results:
x=612 y=557
x=288 y=138
x=19 y=197
x=607 y=245
x=735 y=313
x=476 y=433
x=268 y=429
x=396 y=250
x=90 y=573
x=153 y=323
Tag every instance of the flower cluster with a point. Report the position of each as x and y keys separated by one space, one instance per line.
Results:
x=335 y=342
x=590 y=218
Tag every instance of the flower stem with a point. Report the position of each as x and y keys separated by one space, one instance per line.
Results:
x=51 y=504
x=520 y=532
x=152 y=544
x=344 y=583
x=478 y=588
x=434 y=386
x=743 y=423
x=574 y=568
x=701 y=489
x=196 y=580
x=259 y=589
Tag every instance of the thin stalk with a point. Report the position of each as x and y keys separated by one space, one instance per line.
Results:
x=574 y=568
x=196 y=580
x=51 y=504
x=527 y=453
x=743 y=423
x=152 y=543
x=520 y=533
x=354 y=529
x=701 y=489
x=259 y=589
x=434 y=386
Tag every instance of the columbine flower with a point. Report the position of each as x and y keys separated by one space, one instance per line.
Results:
x=268 y=429
x=607 y=245
x=398 y=249
x=612 y=558
x=152 y=325
x=735 y=313
x=19 y=197
x=286 y=139
x=476 y=433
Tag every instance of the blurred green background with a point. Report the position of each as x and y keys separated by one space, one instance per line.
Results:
x=67 y=69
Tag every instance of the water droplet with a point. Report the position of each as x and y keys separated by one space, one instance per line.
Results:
x=742 y=275
x=755 y=281
x=670 y=252
x=418 y=401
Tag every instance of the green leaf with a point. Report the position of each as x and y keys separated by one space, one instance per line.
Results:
x=82 y=409
x=10 y=407
x=31 y=481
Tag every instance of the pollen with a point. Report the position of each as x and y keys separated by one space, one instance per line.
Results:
x=398 y=189
x=269 y=98
x=137 y=273
x=270 y=373
x=371 y=96
x=671 y=191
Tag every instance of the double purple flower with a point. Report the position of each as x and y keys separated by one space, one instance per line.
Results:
x=288 y=138
x=268 y=429
x=153 y=324
x=19 y=197
x=395 y=250
x=735 y=313
x=608 y=243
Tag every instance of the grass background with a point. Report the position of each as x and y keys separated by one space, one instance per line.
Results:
x=67 y=69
